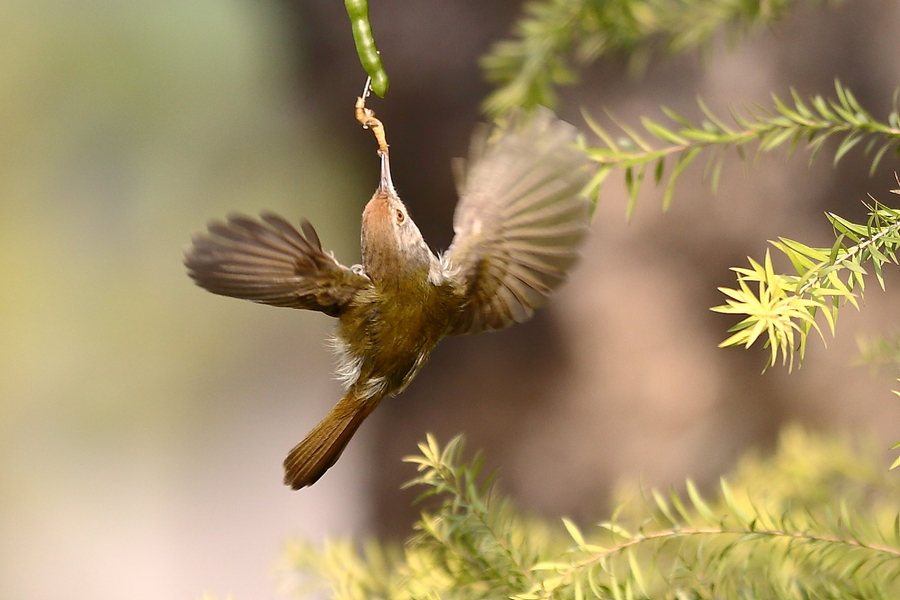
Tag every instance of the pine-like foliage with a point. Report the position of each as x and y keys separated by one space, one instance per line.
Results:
x=800 y=123
x=555 y=38
x=780 y=309
x=816 y=520
x=783 y=308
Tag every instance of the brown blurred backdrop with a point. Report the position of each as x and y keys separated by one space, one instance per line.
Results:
x=143 y=421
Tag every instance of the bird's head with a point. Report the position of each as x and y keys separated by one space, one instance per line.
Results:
x=393 y=249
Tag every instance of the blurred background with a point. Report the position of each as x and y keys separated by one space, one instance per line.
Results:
x=143 y=421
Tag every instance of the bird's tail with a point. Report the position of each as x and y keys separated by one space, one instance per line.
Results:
x=321 y=448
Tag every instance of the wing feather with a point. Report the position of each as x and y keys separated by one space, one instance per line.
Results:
x=520 y=219
x=270 y=262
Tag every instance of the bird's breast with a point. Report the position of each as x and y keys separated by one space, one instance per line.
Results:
x=389 y=333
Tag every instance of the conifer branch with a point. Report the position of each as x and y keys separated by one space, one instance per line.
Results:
x=798 y=540
x=810 y=123
x=554 y=39
x=784 y=308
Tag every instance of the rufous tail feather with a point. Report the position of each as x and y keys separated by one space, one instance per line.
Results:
x=321 y=448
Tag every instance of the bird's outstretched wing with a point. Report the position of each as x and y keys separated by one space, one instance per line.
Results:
x=520 y=219
x=270 y=262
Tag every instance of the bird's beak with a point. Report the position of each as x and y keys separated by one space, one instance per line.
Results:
x=386 y=185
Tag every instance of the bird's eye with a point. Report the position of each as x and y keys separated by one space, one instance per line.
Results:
x=400 y=216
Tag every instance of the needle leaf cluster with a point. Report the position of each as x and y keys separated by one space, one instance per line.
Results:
x=779 y=309
x=807 y=123
x=782 y=309
x=816 y=520
x=554 y=39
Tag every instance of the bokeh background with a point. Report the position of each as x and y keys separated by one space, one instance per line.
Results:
x=143 y=422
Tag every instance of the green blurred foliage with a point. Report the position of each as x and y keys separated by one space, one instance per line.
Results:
x=554 y=40
x=816 y=519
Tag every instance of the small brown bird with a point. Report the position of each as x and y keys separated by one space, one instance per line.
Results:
x=522 y=214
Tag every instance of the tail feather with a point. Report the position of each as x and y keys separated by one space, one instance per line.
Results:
x=321 y=448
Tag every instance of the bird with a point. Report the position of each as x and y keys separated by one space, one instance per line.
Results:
x=523 y=212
